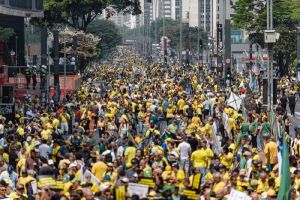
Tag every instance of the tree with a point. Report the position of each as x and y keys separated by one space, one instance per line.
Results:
x=251 y=15
x=109 y=34
x=86 y=45
x=6 y=33
x=172 y=31
x=80 y=13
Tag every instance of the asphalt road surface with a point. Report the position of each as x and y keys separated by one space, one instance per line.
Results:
x=295 y=120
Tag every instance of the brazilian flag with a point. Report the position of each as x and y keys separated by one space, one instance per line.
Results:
x=285 y=180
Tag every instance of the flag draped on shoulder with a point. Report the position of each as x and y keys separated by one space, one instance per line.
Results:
x=85 y=172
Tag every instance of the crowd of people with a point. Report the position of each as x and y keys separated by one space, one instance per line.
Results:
x=170 y=129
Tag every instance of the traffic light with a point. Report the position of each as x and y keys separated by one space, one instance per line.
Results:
x=298 y=67
x=228 y=72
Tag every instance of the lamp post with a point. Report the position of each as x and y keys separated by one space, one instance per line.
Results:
x=16 y=50
x=269 y=40
x=65 y=67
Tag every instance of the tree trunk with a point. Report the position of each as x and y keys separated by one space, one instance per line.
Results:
x=283 y=64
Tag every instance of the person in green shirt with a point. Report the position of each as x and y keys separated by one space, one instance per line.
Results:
x=265 y=128
x=245 y=127
x=253 y=129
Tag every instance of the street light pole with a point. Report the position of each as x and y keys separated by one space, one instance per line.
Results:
x=270 y=55
x=65 y=66
x=180 y=43
x=16 y=50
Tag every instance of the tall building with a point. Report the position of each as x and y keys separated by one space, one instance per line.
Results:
x=176 y=9
x=16 y=14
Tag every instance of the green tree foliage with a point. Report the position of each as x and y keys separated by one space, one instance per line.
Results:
x=172 y=31
x=251 y=15
x=5 y=34
x=80 y=13
x=109 y=34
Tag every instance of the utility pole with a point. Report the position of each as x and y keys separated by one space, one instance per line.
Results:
x=198 y=37
x=227 y=43
x=180 y=44
x=65 y=66
x=270 y=38
x=298 y=54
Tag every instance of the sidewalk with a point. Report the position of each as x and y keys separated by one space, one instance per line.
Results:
x=295 y=120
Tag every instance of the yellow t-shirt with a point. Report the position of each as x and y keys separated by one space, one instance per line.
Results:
x=231 y=123
x=270 y=151
x=55 y=123
x=226 y=161
x=208 y=129
x=64 y=117
x=98 y=169
x=20 y=131
x=21 y=165
x=54 y=153
x=199 y=158
x=181 y=104
x=262 y=186
x=130 y=154
x=170 y=112
x=45 y=134
x=218 y=187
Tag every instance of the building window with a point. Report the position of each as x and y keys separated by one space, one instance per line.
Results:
x=236 y=37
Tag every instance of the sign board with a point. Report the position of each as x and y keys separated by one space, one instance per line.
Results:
x=8 y=111
x=138 y=189
x=147 y=181
x=190 y=194
x=45 y=181
x=237 y=195
x=120 y=193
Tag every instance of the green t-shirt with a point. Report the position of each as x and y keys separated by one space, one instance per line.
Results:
x=266 y=128
x=245 y=128
x=253 y=127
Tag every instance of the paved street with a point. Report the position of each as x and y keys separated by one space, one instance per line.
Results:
x=295 y=119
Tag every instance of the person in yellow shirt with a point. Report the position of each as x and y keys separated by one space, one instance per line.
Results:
x=270 y=152
x=181 y=104
x=168 y=173
x=263 y=185
x=227 y=157
x=99 y=168
x=230 y=127
x=218 y=184
x=46 y=133
x=54 y=152
x=200 y=159
x=20 y=130
x=129 y=154
x=55 y=123
x=64 y=119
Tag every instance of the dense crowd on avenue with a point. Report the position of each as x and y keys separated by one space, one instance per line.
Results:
x=137 y=131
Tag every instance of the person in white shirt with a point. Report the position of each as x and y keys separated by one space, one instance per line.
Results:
x=44 y=150
x=9 y=174
x=184 y=155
